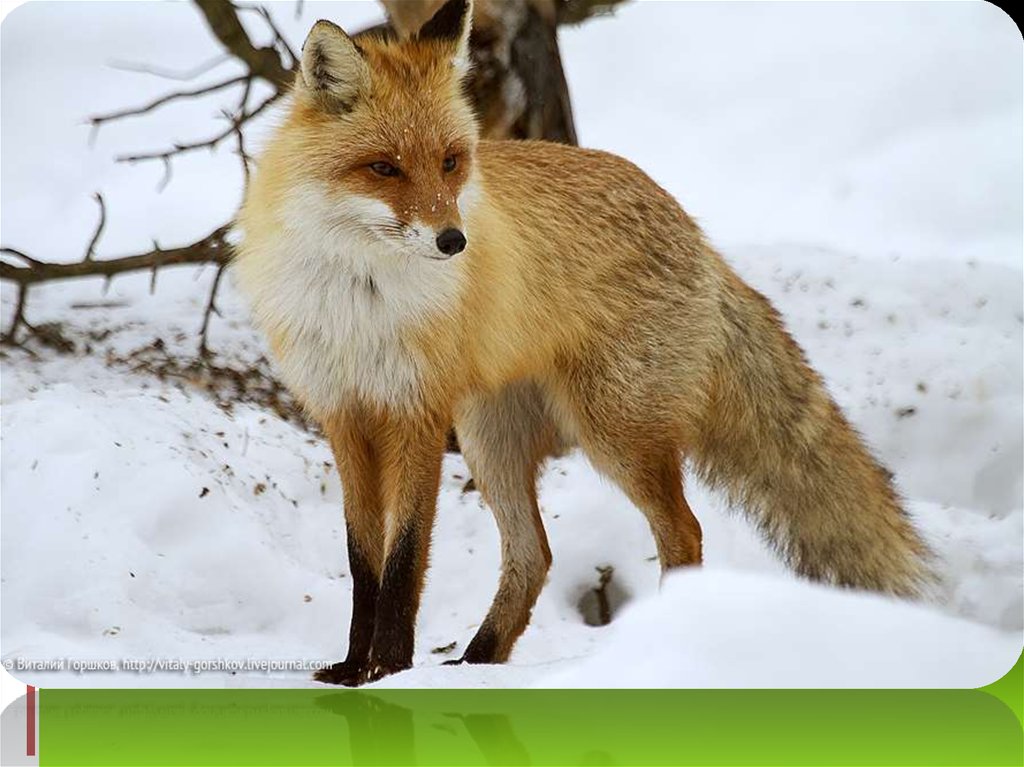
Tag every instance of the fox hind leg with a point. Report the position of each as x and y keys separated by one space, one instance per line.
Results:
x=646 y=463
x=654 y=482
x=505 y=437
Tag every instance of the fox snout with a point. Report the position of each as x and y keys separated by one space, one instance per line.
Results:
x=450 y=242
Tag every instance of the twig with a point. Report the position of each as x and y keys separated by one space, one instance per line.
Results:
x=90 y=250
x=577 y=11
x=98 y=120
x=19 y=254
x=168 y=74
x=210 y=143
x=604 y=608
x=214 y=248
x=269 y=21
x=211 y=308
x=243 y=156
x=265 y=63
x=10 y=337
x=245 y=159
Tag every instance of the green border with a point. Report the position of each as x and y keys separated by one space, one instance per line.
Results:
x=1010 y=689
x=538 y=727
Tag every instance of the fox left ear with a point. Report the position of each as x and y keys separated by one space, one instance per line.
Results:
x=333 y=66
x=452 y=24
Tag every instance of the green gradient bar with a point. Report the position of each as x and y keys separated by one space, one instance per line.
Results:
x=538 y=727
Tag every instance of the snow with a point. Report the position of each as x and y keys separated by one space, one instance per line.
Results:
x=858 y=163
x=717 y=628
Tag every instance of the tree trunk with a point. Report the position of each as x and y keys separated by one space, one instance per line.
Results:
x=517 y=81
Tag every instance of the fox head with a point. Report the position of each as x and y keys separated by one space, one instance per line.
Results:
x=386 y=130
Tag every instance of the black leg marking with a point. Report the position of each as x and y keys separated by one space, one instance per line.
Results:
x=365 y=590
x=483 y=648
x=397 y=605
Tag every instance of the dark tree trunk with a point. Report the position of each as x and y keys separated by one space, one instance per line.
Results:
x=517 y=81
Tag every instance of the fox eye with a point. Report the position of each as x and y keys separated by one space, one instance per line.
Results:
x=384 y=168
x=449 y=164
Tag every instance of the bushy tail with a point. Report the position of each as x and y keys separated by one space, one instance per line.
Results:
x=778 y=445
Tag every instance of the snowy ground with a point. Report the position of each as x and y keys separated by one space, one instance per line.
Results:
x=859 y=163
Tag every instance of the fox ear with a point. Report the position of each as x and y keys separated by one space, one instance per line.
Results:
x=333 y=67
x=452 y=24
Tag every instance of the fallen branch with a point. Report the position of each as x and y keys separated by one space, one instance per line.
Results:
x=214 y=248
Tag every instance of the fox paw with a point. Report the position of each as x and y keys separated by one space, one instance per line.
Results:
x=380 y=669
x=345 y=673
x=469 y=660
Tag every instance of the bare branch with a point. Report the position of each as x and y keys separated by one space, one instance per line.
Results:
x=265 y=63
x=167 y=175
x=90 y=249
x=578 y=11
x=236 y=122
x=214 y=248
x=169 y=74
x=243 y=156
x=278 y=37
x=19 y=254
x=11 y=336
x=211 y=308
x=98 y=120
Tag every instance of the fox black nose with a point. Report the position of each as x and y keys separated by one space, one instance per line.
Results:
x=451 y=241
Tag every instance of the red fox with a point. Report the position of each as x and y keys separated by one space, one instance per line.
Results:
x=410 y=275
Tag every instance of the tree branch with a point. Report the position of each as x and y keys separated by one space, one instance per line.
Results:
x=98 y=120
x=171 y=74
x=265 y=63
x=279 y=39
x=211 y=308
x=235 y=124
x=578 y=11
x=213 y=248
x=90 y=249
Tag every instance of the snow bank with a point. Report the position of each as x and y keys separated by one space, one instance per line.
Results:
x=716 y=628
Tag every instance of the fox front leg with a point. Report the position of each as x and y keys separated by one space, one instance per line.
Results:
x=352 y=437
x=390 y=468
x=411 y=456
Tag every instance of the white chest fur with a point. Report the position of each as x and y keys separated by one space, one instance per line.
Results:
x=343 y=303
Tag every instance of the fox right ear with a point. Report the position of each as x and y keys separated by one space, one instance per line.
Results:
x=451 y=25
x=333 y=67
